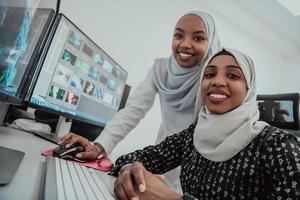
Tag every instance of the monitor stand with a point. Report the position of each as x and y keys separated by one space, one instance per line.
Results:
x=3 y=111
x=63 y=127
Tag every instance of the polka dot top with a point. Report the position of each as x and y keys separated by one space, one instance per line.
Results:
x=268 y=168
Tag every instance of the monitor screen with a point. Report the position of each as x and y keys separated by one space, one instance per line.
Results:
x=22 y=33
x=77 y=78
x=280 y=110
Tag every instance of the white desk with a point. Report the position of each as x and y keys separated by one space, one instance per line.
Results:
x=27 y=183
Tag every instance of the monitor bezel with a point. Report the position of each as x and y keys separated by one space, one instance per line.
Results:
x=22 y=92
x=294 y=97
x=40 y=65
x=5 y=98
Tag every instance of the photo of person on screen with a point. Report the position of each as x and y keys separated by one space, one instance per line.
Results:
x=72 y=98
x=89 y=88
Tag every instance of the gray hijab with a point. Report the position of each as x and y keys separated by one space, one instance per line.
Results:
x=218 y=137
x=177 y=85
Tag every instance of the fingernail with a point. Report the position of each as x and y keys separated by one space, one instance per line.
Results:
x=68 y=145
x=59 y=142
x=142 y=188
x=78 y=155
x=134 y=198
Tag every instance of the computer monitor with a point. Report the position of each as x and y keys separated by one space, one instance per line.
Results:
x=23 y=31
x=280 y=110
x=77 y=79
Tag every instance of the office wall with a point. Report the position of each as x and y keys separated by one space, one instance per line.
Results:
x=135 y=32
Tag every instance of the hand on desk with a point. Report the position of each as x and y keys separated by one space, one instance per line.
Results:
x=136 y=182
x=91 y=150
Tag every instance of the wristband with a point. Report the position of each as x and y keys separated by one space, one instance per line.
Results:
x=98 y=149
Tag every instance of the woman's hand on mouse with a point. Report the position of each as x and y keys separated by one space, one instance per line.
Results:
x=92 y=151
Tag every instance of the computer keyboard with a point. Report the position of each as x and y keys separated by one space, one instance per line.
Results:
x=66 y=180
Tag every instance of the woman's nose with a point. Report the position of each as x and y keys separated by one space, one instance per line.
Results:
x=217 y=82
x=186 y=44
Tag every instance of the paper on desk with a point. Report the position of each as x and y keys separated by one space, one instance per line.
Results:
x=31 y=126
x=103 y=164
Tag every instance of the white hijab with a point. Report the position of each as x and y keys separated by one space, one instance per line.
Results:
x=178 y=85
x=218 y=137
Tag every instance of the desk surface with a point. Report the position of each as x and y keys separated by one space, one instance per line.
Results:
x=28 y=179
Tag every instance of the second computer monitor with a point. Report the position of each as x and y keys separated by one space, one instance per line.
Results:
x=77 y=78
x=23 y=31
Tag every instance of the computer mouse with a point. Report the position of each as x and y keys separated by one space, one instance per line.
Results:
x=69 y=153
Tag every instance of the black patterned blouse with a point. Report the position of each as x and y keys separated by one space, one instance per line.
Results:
x=268 y=168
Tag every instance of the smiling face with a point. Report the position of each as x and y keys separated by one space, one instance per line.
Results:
x=189 y=43
x=223 y=87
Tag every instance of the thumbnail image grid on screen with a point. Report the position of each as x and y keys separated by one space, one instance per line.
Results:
x=22 y=31
x=78 y=78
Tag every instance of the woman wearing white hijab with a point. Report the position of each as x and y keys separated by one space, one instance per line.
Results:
x=175 y=79
x=226 y=154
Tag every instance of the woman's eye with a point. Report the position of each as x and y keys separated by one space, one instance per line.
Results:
x=209 y=75
x=177 y=36
x=199 y=38
x=233 y=76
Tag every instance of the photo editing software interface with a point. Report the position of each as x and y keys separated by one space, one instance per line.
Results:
x=21 y=32
x=77 y=78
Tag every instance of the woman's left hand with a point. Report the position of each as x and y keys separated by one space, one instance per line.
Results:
x=156 y=189
x=130 y=180
x=135 y=182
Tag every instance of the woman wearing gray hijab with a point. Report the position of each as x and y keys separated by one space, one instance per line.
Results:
x=175 y=79
x=226 y=154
